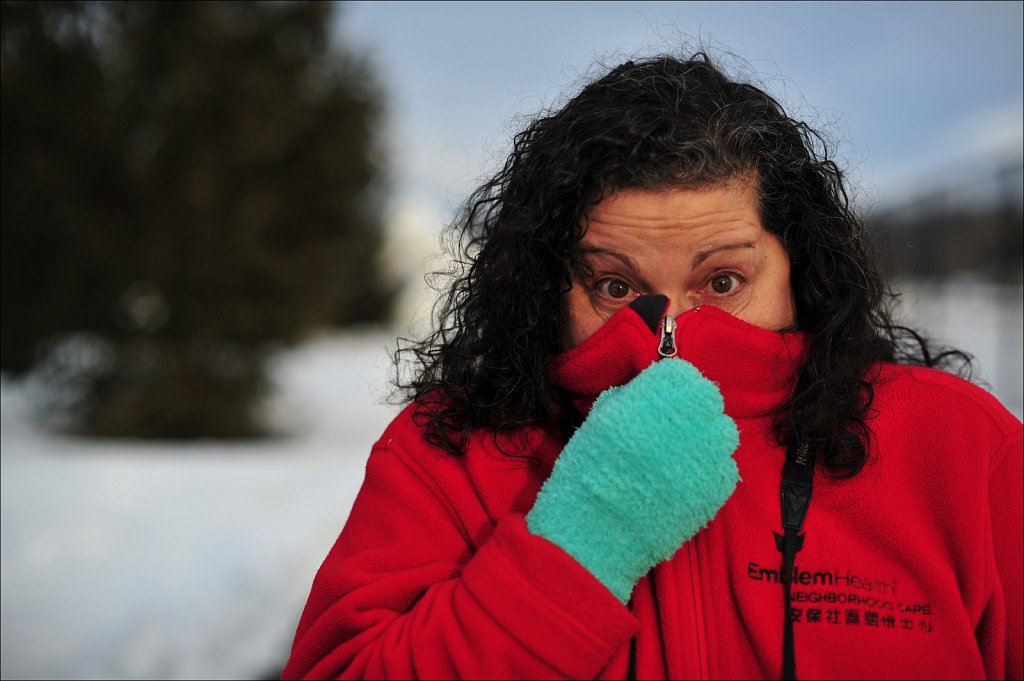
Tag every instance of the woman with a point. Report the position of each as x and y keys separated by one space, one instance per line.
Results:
x=675 y=237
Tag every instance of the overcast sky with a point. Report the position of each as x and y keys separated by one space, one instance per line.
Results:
x=916 y=93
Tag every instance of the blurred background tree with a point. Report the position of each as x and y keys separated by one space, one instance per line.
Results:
x=975 y=227
x=185 y=186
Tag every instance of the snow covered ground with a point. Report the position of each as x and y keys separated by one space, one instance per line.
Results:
x=985 y=320
x=142 y=560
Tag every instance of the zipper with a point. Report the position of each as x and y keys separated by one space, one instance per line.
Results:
x=684 y=633
x=667 y=345
x=700 y=635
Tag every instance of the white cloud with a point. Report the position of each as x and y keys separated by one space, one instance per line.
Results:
x=965 y=158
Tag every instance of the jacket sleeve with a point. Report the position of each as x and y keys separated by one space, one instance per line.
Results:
x=405 y=593
x=1006 y=498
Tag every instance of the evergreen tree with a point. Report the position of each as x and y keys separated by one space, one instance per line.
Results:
x=184 y=186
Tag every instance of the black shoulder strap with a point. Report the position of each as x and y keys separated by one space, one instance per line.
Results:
x=797 y=479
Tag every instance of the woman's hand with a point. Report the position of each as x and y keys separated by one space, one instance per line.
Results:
x=647 y=469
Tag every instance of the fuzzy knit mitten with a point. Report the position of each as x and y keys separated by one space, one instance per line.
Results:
x=647 y=469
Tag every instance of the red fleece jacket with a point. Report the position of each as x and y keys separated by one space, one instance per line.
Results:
x=912 y=569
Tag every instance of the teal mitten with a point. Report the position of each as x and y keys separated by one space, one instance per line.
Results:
x=648 y=468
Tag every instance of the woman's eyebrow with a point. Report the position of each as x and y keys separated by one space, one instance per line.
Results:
x=704 y=255
x=597 y=250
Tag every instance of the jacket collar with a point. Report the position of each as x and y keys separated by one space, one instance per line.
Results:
x=754 y=368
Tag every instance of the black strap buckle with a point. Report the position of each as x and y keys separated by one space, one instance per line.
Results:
x=796 y=498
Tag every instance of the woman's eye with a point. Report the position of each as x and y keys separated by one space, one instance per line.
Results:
x=614 y=288
x=724 y=283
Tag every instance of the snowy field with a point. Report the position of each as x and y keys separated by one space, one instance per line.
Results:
x=983 y=319
x=137 y=560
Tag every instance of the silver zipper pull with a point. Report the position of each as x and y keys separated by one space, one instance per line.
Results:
x=667 y=347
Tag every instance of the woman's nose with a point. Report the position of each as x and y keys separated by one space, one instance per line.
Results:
x=678 y=304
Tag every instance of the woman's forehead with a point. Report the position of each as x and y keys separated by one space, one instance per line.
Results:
x=698 y=217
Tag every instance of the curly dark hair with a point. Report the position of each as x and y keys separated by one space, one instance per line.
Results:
x=653 y=124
